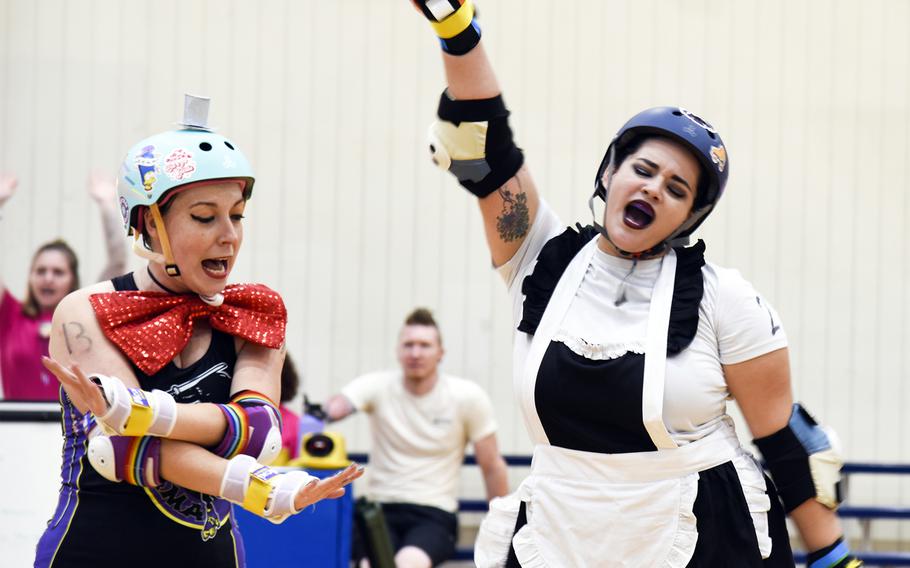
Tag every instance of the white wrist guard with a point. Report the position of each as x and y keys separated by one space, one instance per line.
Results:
x=262 y=490
x=135 y=412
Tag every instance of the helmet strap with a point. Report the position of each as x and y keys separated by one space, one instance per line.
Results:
x=690 y=224
x=169 y=265
x=145 y=253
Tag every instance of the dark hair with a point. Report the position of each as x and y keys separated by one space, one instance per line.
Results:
x=30 y=307
x=423 y=316
x=625 y=148
x=290 y=380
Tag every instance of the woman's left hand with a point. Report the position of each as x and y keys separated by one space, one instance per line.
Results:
x=328 y=488
x=85 y=394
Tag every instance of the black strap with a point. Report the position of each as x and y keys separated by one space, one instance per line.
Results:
x=124 y=283
x=457 y=111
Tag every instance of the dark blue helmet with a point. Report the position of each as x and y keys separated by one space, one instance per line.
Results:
x=693 y=133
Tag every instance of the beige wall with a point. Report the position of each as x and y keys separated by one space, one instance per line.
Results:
x=350 y=221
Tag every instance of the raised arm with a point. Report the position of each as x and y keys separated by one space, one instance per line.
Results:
x=103 y=191
x=8 y=184
x=472 y=138
x=761 y=387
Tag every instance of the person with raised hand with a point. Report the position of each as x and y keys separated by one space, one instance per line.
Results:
x=54 y=273
x=170 y=375
x=628 y=345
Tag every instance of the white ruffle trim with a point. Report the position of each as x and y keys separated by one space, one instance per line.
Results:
x=756 y=493
x=598 y=351
x=526 y=551
x=491 y=550
x=683 y=546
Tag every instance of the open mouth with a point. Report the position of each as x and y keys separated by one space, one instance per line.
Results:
x=215 y=267
x=638 y=214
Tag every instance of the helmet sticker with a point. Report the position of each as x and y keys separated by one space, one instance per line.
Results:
x=125 y=212
x=719 y=157
x=179 y=165
x=146 y=164
x=697 y=120
x=228 y=163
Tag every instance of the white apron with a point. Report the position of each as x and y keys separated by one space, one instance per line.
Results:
x=588 y=509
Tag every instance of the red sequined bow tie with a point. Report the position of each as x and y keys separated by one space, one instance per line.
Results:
x=151 y=328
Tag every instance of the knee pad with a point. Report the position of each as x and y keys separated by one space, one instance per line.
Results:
x=135 y=412
x=262 y=490
x=132 y=459
x=254 y=427
x=804 y=460
x=473 y=140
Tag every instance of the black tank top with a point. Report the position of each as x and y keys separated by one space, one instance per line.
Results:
x=140 y=526
x=206 y=380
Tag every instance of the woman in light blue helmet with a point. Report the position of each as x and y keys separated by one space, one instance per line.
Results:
x=628 y=346
x=170 y=375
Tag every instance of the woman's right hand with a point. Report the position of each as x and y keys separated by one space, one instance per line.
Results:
x=84 y=393
x=102 y=188
x=8 y=184
x=328 y=488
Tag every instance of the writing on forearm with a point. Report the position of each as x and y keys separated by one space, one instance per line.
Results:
x=75 y=338
x=514 y=222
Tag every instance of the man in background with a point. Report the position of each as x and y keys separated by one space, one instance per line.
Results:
x=421 y=421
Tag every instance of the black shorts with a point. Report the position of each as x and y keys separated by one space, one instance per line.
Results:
x=432 y=530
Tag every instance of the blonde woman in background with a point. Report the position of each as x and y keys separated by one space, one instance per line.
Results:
x=54 y=273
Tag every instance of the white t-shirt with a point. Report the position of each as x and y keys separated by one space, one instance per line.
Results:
x=735 y=324
x=419 y=441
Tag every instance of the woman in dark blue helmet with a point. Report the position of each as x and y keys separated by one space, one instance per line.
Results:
x=628 y=346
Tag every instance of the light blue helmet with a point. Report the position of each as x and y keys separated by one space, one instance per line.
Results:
x=158 y=164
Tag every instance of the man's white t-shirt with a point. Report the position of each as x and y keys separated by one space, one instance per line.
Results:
x=419 y=441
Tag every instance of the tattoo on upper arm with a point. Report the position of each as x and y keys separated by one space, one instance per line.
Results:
x=514 y=222
x=75 y=338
